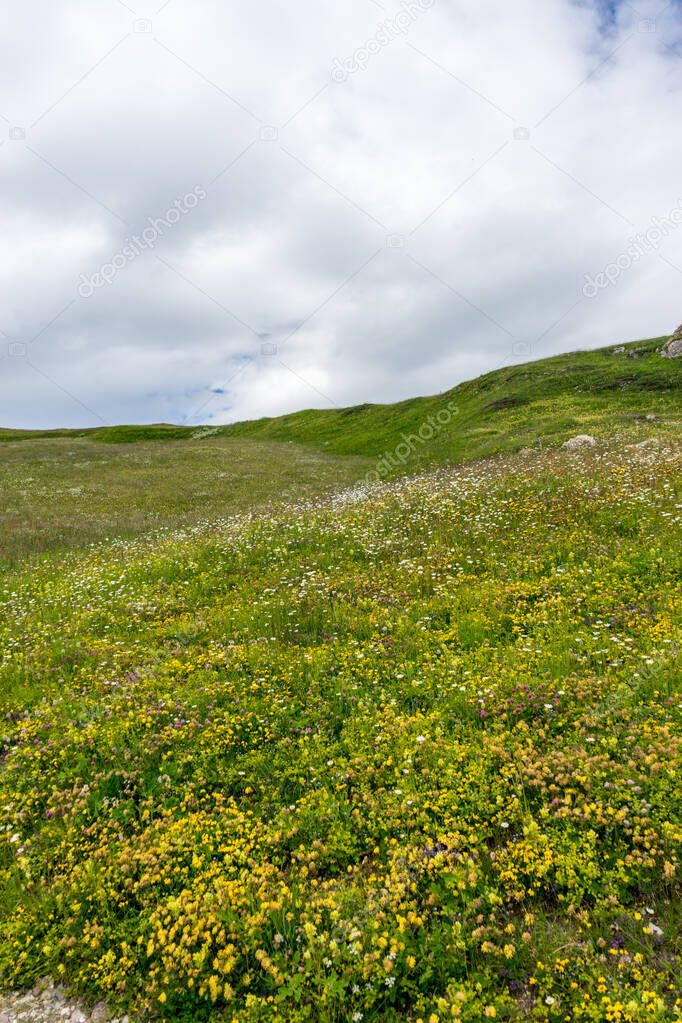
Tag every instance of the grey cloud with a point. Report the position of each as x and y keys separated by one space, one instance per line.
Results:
x=426 y=220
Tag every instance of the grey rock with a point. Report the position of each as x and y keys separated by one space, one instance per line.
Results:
x=673 y=348
x=583 y=440
x=48 y=1003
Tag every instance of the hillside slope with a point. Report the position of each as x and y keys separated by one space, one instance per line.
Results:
x=499 y=411
x=403 y=757
x=62 y=489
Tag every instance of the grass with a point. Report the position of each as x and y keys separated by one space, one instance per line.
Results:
x=64 y=493
x=410 y=753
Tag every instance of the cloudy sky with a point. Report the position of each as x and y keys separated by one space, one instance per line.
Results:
x=216 y=210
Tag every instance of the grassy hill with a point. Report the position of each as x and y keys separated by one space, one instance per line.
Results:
x=64 y=488
x=501 y=410
x=408 y=753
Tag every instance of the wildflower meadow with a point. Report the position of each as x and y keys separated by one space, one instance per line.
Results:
x=411 y=754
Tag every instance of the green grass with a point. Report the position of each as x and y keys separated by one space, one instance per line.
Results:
x=64 y=493
x=413 y=756
x=409 y=753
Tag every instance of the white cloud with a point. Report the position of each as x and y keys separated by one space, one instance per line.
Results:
x=393 y=235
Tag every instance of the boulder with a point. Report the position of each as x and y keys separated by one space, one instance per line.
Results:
x=673 y=349
x=583 y=440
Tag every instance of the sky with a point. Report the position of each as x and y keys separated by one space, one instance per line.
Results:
x=213 y=211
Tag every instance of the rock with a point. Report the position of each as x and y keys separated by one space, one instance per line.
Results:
x=48 y=1003
x=618 y=350
x=673 y=349
x=583 y=440
x=650 y=417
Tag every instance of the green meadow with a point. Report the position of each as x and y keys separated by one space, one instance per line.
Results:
x=291 y=731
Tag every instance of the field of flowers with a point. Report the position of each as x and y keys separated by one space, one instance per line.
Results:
x=407 y=755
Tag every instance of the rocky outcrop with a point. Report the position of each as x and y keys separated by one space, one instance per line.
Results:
x=673 y=349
